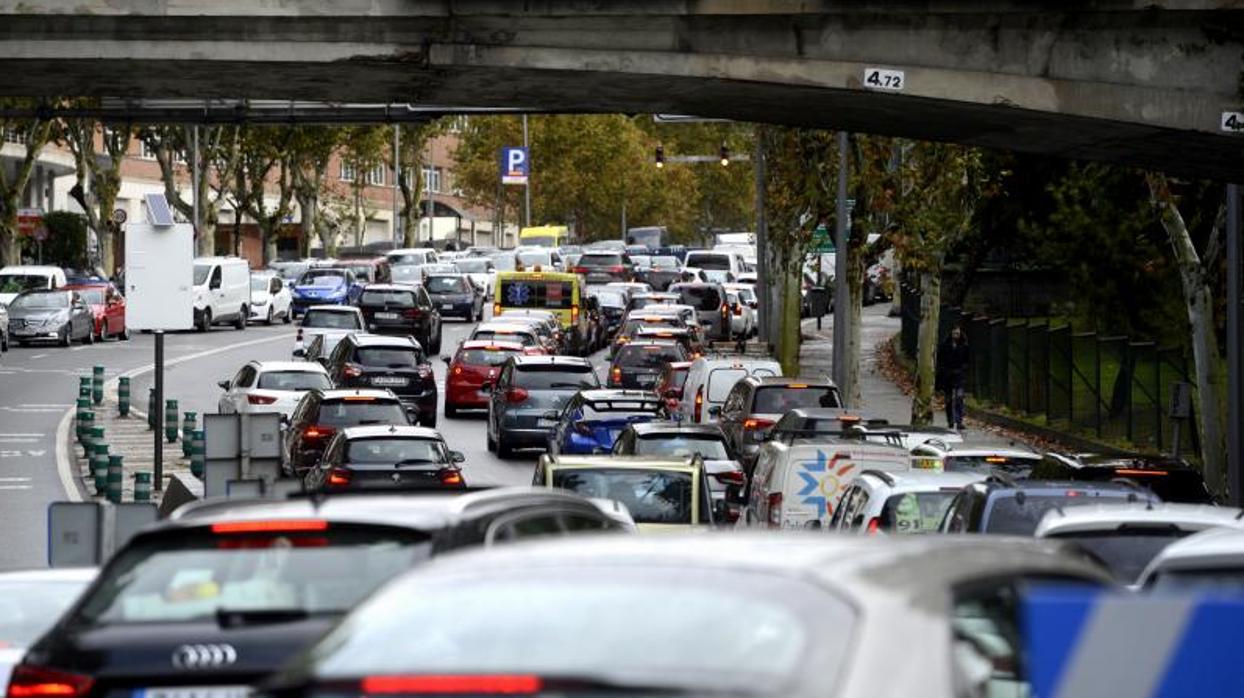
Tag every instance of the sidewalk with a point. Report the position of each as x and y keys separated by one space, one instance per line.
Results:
x=879 y=397
x=129 y=437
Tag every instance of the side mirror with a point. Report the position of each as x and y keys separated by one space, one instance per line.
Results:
x=224 y=385
x=714 y=411
x=412 y=414
x=300 y=353
x=457 y=457
x=721 y=511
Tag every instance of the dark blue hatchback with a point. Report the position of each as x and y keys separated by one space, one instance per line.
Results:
x=593 y=419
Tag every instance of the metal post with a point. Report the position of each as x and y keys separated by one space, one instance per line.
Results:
x=158 y=412
x=842 y=300
x=527 y=186
x=624 y=218
x=762 y=242
x=397 y=169
x=1235 y=378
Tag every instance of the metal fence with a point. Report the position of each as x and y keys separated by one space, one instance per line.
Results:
x=1113 y=387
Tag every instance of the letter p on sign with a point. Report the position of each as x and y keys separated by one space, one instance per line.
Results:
x=515 y=167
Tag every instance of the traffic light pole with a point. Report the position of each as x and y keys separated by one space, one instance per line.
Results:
x=762 y=244
x=1235 y=373
x=842 y=292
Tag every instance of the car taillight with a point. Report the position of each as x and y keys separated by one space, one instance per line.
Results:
x=579 y=270
x=318 y=432
x=616 y=374
x=412 y=313
x=574 y=314
x=451 y=476
x=351 y=371
x=699 y=402
x=515 y=396
x=299 y=337
x=424 y=370
x=496 y=309
x=754 y=423
x=339 y=477
x=731 y=477
x=738 y=309
x=488 y=684
x=775 y=509
x=30 y=681
x=260 y=399
x=270 y=526
x=874 y=526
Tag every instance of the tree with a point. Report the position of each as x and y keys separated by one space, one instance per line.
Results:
x=1196 y=274
x=264 y=157
x=363 y=148
x=98 y=178
x=310 y=150
x=215 y=164
x=413 y=142
x=33 y=135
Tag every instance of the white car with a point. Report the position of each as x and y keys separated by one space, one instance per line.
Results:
x=270 y=298
x=30 y=602
x=481 y=270
x=18 y=278
x=955 y=457
x=262 y=387
x=879 y=502
x=1128 y=536
x=1211 y=560
x=742 y=317
x=710 y=380
x=333 y=322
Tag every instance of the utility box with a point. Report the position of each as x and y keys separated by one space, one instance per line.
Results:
x=159 y=276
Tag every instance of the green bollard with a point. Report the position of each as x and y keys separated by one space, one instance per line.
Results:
x=170 y=420
x=96 y=436
x=187 y=432
x=142 y=486
x=99 y=468
x=123 y=396
x=84 y=409
x=97 y=384
x=198 y=453
x=151 y=408
x=116 y=474
x=84 y=386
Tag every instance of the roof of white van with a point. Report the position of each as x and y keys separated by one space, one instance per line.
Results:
x=215 y=259
x=32 y=269
x=740 y=361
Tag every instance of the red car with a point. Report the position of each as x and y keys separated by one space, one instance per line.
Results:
x=670 y=383
x=108 y=307
x=477 y=361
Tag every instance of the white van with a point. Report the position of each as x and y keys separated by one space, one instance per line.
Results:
x=717 y=261
x=710 y=379
x=15 y=279
x=798 y=482
x=412 y=255
x=222 y=292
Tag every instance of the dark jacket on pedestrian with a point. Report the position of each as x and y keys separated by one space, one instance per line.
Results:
x=952 y=364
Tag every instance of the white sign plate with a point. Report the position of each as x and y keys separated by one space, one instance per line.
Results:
x=884 y=79
x=1233 y=122
x=159 y=273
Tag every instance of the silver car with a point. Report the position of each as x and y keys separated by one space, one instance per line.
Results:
x=30 y=602
x=527 y=388
x=51 y=316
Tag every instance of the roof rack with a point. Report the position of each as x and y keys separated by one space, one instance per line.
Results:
x=1002 y=479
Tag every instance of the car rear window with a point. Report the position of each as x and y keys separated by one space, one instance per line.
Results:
x=408 y=258
x=678 y=445
x=549 y=295
x=915 y=512
x=397 y=298
x=527 y=339
x=194 y=575
x=485 y=357
x=1019 y=512
x=653 y=356
x=446 y=284
x=708 y=261
x=388 y=357
x=596 y=260
x=343 y=412
x=699 y=631
x=293 y=380
x=397 y=451
x=331 y=320
x=1125 y=551
x=986 y=464
x=633 y=326
x=664 y=262
x=473 y=266
x=551 y=377
x=652 y=496
x=700 y=297
x=780 y=399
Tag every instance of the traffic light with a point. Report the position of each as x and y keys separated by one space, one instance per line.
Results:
x=660 y=156
x=725 y=155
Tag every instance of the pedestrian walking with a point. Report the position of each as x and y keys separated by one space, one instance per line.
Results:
x=953 y=357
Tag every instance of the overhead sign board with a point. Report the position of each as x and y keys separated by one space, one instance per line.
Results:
x=159 y=276
x=515 y=165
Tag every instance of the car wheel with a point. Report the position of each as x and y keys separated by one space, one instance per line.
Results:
x=240 y=323
x=289 y=315
x=206 y=323
x=492 y=443
x=503 y=449
x=90 y=336
x=66 y=337
x=436 y=347
x=268 y=320
x=450 y=411
x=125 y=335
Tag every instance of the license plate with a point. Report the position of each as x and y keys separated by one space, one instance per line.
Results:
x=386 y=316
x=447 y=306
x=388 y=380
x=194 y=692
x=546 y=422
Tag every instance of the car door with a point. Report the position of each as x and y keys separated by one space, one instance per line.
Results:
x=496 y=398
x=82 y=322
x=278 y=298
x=239 y=387
x=732 y=415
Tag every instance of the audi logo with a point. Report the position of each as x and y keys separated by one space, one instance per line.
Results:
x=212 y=656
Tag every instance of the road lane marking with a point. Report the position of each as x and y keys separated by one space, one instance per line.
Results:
x=17 y=435
x=38 y=356
x=15 y=487
x=64 y=468
x=14 y=479
x=17 y=440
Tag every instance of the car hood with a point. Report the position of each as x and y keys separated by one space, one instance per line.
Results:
x=321 y=286
x=6 y=298
x=34 y=313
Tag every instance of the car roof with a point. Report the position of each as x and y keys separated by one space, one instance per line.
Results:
x=607 y=394
x=32 y=269
x=1110 y=517
x=778 y=381
x=350 y=309
x=974 y=450
x=997 y=483
x=643 y=429
x=545 y=360
x=686 y=465
x=389 y=287
x=381 y=340
x=299 y=366
x=1212 y=548
x=338 y=393
x=497 y=324
x=396 y=431
x=60 y=574
x=490 y=344
x=741 y=361
x=917 y=480
x=453 y=274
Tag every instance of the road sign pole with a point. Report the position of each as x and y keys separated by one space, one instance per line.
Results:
x=1235 y=374
x=527 y=186
x=842 y=292
x=158 y=411
x=762 y=240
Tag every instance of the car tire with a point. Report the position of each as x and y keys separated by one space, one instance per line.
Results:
x=66 y=338
x=289 y=315
x=451 y=412
x=240 y=323
x=125 y=334
x=205 y=324
x=503 y=449
x=436 y=346
x=270 y=318
x=90 y=336
x=492 y=444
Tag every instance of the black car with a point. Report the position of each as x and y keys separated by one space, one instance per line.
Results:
x=396 y=364
x=455 y=295
x=321 y=413
x=1001 y=505
x=612 y=306
x=1172 y=479
x=756 y=403
x=660 y=272
x=639 y=363
x=400 y=309
x=677 y=440
x=386 y=457
x=602 y=267
x=225 y=592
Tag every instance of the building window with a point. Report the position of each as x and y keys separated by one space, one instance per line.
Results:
x=146 y=152
x=432 y=178
x=376 y=176
x=13 y=135
x=347 y=171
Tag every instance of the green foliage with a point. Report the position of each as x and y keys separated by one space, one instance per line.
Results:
x=801 y=169
x=66 y=242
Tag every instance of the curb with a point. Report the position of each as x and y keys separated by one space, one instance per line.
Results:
x=65 y=465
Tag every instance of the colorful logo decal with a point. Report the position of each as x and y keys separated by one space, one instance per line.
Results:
x=821 y=479
x=518 y=294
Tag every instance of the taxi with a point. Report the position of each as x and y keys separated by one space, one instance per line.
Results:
x=474 y=364
x=661 y=494
x=558 y=292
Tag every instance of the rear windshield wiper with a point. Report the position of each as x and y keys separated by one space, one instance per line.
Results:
x=237 y=617
x=417 y=461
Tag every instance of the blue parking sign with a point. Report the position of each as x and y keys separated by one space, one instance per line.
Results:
x=515 y=165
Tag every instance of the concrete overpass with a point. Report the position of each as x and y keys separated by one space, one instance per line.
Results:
x=1142 y=83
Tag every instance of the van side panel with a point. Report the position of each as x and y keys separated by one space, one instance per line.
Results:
x=817 y=475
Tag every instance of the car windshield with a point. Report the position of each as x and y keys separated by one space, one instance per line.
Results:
x=1207 y=580
x=322 y=277
x=41 y=301
x=395 y=298
x=533 y=257
x=195 y=575
x=527 y=339
x=390 y=450
x=447 y=284
x=29 y=607
x=1125 y=551
x=332 y=320
x=389 y=357
x=598 y=260
x=986 y=464
x=708 y=261
x=709 y=446
x=699 y=297
x=652 y=496
x=348 y=412
x=92 y=296
x=1019 y=512
x=780 y=399
x=201 y=272
x=555 y=377
x=485 y=357
x=408 y=258
x=293 y=380
x=527 y=293
x=473 y=266
x=915 y=512
x=664 y=262
x=701 y=629
x=651 y=356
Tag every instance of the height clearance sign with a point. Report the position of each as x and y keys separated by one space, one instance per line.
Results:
x=515 y=165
